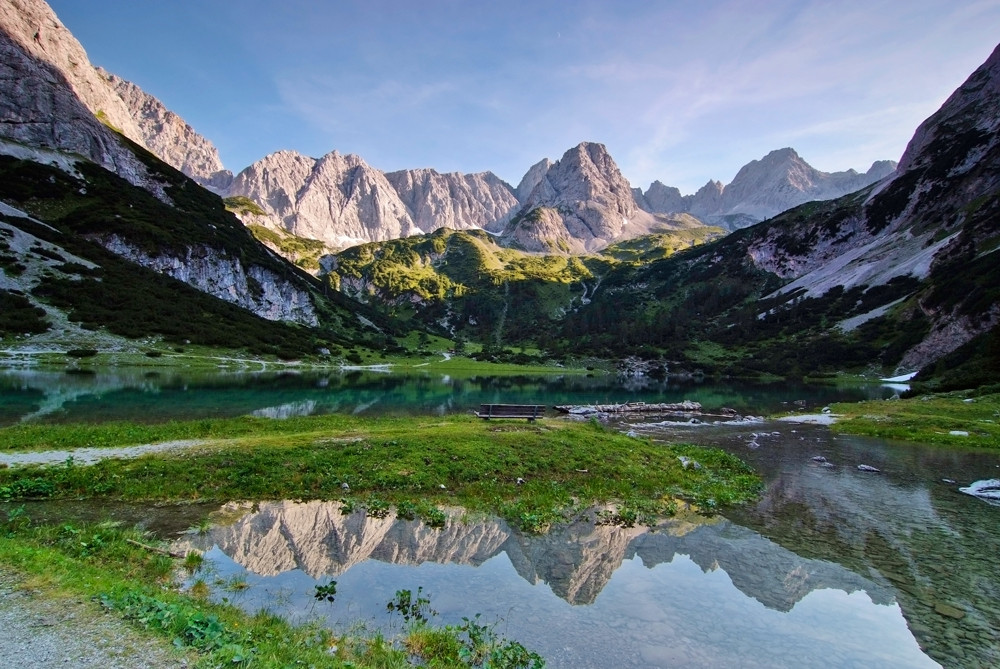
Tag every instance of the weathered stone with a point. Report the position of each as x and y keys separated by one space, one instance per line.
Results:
x=949 y=611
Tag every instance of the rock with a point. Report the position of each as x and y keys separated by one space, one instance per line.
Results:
x=337 y=199
x=689 y=463
x=168 y=136
x=345 y=487
x=49 y=94
x=818 y=458
x=454 y=200
x=225 y=277
x=342 y=201
x=868 y=468
x=948 y=610
x=987 y=489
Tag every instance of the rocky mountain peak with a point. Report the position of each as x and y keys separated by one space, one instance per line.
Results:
x=531 y=178
x=579 y=203
x=341 y=200
x=168 y=136
x=972 y=108
x=338 y=199
x=663 y=198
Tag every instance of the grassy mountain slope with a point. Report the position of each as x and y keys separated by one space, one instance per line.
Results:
x=469 y=285
x=73 y=213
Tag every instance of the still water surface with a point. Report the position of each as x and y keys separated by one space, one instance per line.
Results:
x=142 y=395
x=832 y=567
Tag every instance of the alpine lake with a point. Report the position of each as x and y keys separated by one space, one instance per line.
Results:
x=832 y=567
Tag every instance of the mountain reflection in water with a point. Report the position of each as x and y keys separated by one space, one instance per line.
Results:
x=691 y=593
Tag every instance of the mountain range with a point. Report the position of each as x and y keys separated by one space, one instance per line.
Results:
x=584 y=203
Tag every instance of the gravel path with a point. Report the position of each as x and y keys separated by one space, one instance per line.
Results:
x=38 y=631
x=88 y=456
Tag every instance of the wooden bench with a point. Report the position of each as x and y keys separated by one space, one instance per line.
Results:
x=529 y=411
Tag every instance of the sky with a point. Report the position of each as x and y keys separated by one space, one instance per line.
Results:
x=679 y=91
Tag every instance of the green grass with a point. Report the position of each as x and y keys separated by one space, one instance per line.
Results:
x=929 y=419
x=430 y=461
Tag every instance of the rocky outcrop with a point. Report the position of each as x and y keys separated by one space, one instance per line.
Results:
x=662 y=198
x=254 y=288
x=456 y=201
x=531 y=179
x=45 y=68
x=43 y=81
x=38 y=32
x=168 y=136
x=579 y=203
x=761 y=189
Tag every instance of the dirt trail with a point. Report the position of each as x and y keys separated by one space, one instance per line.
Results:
x=39 y=630
x=88 y=456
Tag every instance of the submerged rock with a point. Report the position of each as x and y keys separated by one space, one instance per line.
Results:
x=987 y=490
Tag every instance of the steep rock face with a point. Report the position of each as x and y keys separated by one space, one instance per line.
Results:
x=337 y=199
x=706 y=200
x=665 y=199
x=39 y=104
x=34 y=26
x=456 y=201
x=168 y=136
x=254 y=288
x=782 y=180
x=531 y=178
x=581 y=203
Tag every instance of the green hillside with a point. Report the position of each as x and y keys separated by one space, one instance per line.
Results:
x=107 y=293
x=465 y=283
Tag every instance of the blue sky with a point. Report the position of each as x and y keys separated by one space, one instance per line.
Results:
x=682 y=92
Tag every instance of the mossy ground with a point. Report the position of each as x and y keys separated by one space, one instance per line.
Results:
x=534 y=474
x=958 y=419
